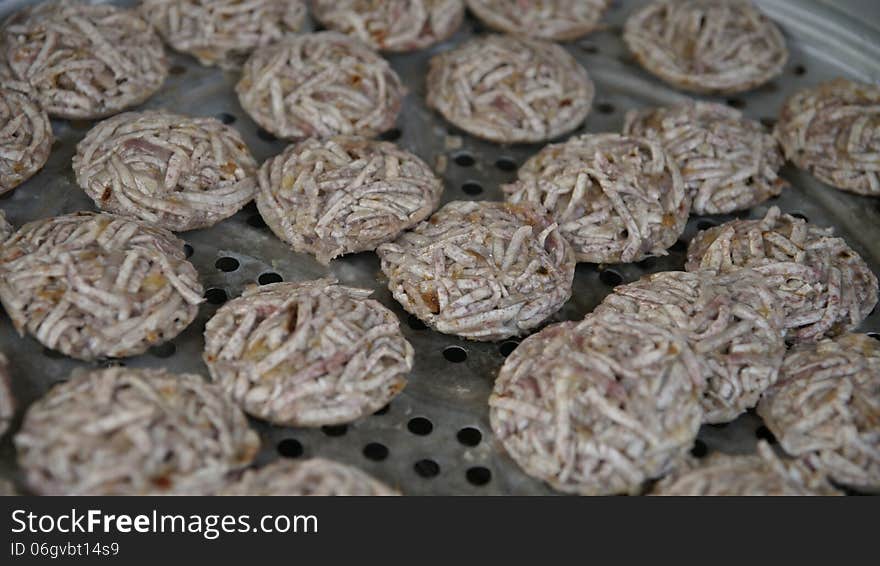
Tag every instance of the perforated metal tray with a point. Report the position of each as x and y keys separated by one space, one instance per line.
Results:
x=435 y=438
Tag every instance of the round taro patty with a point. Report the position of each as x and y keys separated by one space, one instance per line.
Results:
x=617 y=199
x=314 y=477
x=826 y=406
x=509 y=89
x=345 y=194
x=824 y=286
x=223 y=32
x=126 y=431
x=84 y=61
x=833 y=131
x=706 y=46
x=598 y=407
x=307 y=354
x=753 y=475
x=727 y=161
x=392 y=25
x=481 y=270
x=7 y=401
x=555 y=20
x=25 y=138
x=732 y=322
x=320 y=85
x=96 y=285
x=169 y=170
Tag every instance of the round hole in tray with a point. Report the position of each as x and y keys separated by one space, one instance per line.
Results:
x=799 y=70
x=226 y=118
x=269 y=278
x=216 y=296
x=80 y=124
x=383 y=411
x=764 y=433
x=801 y=216
x=472 y=188
x=506 y=164
x=420 y=426
x=226 y=264
x=455 y=354
x=165 y=350
x=334 y=430
x=464 y=159
x=427 y=468
x=478 y=475
x=705 y=224
x=375 y=451
x=414 y=323
x=290 y=448
x=391 y=135
x=589 y=48
x=50 y=353
x=469 y=436
x=605 y=108
x=266 y=136
x=188 y=250
x=256 y=221
x=699 y=450
x=610 y=277
x=737 y=103
x=874 y=335
x=507 y=347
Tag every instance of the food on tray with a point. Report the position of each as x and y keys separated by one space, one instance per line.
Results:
x=763 y=473
x=481 y=270
x=556 y=20
x=824 y=285
x=172 y=171
x=96 y=285
x=392 y=25
x=125 y=431
x=25 y=138
x=84 y=60
x=598 y=407
x=307 y=354
x=727 y=161
x=833 y=131
x=706 y=46
x=508 y=89
x=7 y=400
x=320 y=85
x=617 y=199
x=223 y=32
x=732 y=322
x=316 y=476
x=6 y=229
x=826 y=408
x=345 y=194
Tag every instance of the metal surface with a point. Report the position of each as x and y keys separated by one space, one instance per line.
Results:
x=824 y=41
